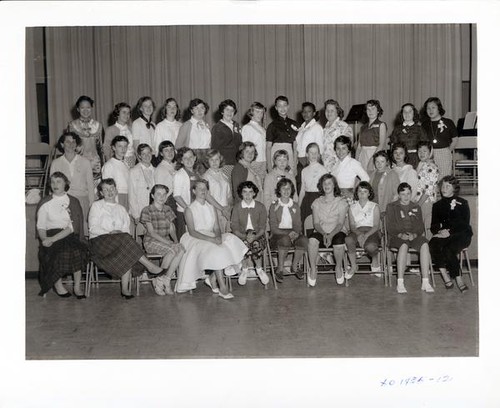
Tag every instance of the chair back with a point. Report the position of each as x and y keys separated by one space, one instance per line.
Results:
x=466 y=142
x=37 y=149
x=308 y=223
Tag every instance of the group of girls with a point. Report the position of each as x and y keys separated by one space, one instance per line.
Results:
x=203 y=198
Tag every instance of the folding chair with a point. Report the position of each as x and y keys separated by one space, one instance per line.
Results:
x=411 y=252
x=464 y=256
x=39 y=156
x=466 y=169
x=265 y=267
x=308 y=225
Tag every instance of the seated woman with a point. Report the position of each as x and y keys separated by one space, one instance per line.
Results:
x=384 y=181
x=281 y=169
x=329 y=217
x=347 y=170
x=207 y=249
x=364 y=222
x=248 y=223
x=60 y=230
x=286 y=228
x=112 y=247
x=405 y=229
x=160 y=237
x=452 y=231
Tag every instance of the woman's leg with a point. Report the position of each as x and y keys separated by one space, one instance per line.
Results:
x=371 y=247
x=150 y=266
x=59 y=287
x=401 y=265
x=312 y=250
x=351 y=242
x=125 y=283
x=338 y=253
x=223 y=290
x=425 y=258
x=77 y=279
x=171 y=262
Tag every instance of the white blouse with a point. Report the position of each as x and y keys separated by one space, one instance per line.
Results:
x=118 y=171
x=141 y=133
x=255 y=133
x=165 y=130
x=363 y=216
x=182 y=187
x=200 y=136
x=346 y=171
x=310 y=176
x=105 y=217
x=220 y=189
x=54 y=214
x=310 y=133
x=164 y=174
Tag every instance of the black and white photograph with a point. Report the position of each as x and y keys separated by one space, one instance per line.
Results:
x=281 y=196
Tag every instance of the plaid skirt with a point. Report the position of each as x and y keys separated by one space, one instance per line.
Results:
x=115 y=254
x=64 y=257
x=256 y=248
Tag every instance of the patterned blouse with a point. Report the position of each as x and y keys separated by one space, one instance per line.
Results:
x=160 y=219
x=428 y=177
x=330 y=133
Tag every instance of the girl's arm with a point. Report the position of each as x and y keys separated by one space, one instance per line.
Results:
x=302 y=188
x=269 y=145
x=48 y=241
x=382 y=137
x=155 y=235
x=235 y=223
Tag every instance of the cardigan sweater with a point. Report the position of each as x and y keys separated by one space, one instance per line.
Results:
x=454 y=216
x=275 y=213
x=239 y=217
x=404 y=218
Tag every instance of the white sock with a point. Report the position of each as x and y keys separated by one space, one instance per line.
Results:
x=426 y=285
x=401 y=286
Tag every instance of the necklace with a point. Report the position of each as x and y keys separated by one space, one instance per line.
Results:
x=434 y=140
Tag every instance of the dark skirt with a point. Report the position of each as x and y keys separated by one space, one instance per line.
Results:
x=256 y=248
x=116 y=254
x=306 y=206
x=64 y=257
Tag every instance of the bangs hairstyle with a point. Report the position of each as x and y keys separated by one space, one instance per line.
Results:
x=163 y=111
x=247 y=184
x=214 y=152
x=437 y=101
x=225 y=103
x=283 y=182
x=336 y=188
x=61 y=175
x=376 y=103
x=241 y=149
x=403 y=186
x=155 y=188
x=399 y=145
x=118 y=107
x=195 y=102
x=416 y=116
x=366 y=186
x=62 y=138
x=255 y=106
x=84 y=98
x=162 y=145
x=453 y=181
x=279 y=153
x=427 y=144
x=107 y=182
x=340 y=111
x=141 y=101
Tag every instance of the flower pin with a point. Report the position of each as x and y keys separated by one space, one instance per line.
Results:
x=402 y=214
x=294 y=210
x=441 y=126
x=454 y=203
x=294 y=127
x=405 y=131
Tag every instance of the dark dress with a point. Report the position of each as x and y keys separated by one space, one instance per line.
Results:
x=451 y=213
x=67 y=255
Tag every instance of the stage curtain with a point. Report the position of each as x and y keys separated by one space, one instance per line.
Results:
x=32 y=131
x=349 y=63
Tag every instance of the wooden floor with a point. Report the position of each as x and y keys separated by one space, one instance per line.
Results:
x=366 y=319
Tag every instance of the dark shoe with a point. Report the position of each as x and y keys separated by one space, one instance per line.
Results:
x=79 y=297
x=64 y=295
x=127 y=297
x=279 y=276
x=299 y=273
x=449 y=284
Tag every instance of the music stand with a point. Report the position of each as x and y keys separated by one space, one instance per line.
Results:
x=354 y=116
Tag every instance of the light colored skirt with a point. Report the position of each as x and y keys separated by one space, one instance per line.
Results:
x=443 y=159
x=365 y=157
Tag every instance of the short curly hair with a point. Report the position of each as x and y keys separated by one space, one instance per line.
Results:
x=453 y=181
x=403 y=186
x=62 y=138
x=118 y=107
x=225 y=103
x=340 y=111
x=195 y=102
x=376 y=103
x=437 y=101
x=247 y=184
x=241 y=149
x=107 y=181
x=399 y=145
x=61 y=175
x=366 y=186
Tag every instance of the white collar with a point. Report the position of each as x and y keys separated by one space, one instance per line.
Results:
x=411 y=123
x=337 y=119
x=245 y=205
x=120 y=126
x=229 y=125
x=146 y=168
x=310 y=124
